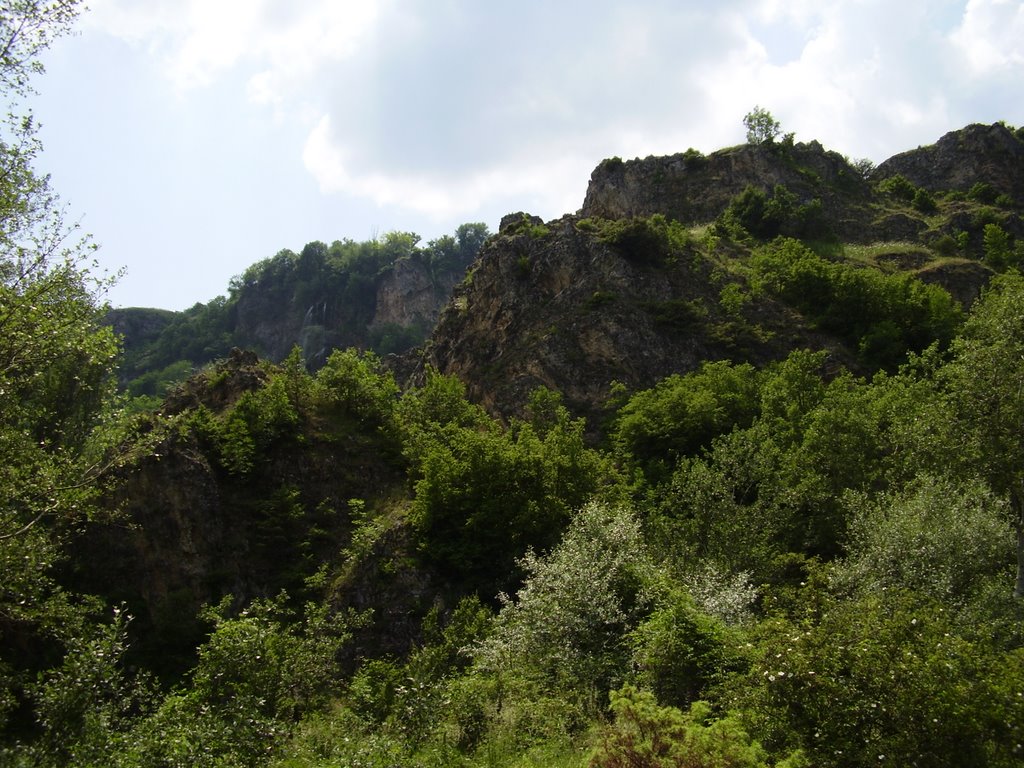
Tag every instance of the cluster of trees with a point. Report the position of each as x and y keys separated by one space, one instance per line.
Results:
x=331 y=289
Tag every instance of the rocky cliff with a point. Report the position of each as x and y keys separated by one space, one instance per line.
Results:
x=384 y=295
x=693 y=188
x=977 y=154
x=650 y=278
x=555 y=305
x=190 y=529
x=407 y=294
x=565 y=305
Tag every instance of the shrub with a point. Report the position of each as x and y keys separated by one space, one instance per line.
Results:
x=565 y=632
x=883 y=316
x=645 y=735
x=680 y=651
x=682 y=414
x=960 y=537
x=996 y=245
x=258 y=673
x=765 y=216
x=883 y=679
x=983 y=192
x=924 y=202
x=483 y=494
x=898 y=187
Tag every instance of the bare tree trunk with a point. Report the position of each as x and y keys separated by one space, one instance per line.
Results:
x=1018 y=590
x=1017 y=505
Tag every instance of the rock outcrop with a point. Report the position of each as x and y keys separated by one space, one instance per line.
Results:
x=987 y=154
x=187 y=530
x=556 y=306
x=693 y=188
x=410 y=295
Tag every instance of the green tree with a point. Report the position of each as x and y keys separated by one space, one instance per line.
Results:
x=58 y=428
x=260 y=670
x=564 y=635
x=645 y=735
x=938 y=537
x=484 y=495
x=997 y=246
x=761 y=127
x=682 y=414
x=882 y=679
x=986 y=379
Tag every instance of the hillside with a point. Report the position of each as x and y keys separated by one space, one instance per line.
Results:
x=658 y=273
x=723 y=468
x=383 y=294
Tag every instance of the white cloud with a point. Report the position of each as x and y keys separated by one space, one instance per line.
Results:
x=441 y=195
x=991 y=37
x=197 y=41
x=444 y=107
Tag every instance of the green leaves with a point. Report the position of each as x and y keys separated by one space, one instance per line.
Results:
x=884 y=678
x=646 y=734
x=884 y=316
x=761 y=127
x=258 y=673
x=682 y=414
x=483 y=494
x=564 y=633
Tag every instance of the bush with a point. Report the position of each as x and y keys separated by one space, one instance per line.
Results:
x=883 y=316
x=898 y=187
x=645 y=735
x=564 y=635
x=681 y=414
x=257 y=675
x=959 y=534
x=484 y=495
x=679 y=651
x=756 y=213
x=883 y=679
x=924 y=202
x=983 y=192
x=355 y=384
x=996 y=243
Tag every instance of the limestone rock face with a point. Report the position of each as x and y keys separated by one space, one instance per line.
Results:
x=694 y=189
x=556 y=306
x=409 y=295
x=188 y=530
x=138 y=325
x=991 y=154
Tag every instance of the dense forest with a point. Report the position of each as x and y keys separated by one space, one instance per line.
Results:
x=322 y=298
x=805 y=550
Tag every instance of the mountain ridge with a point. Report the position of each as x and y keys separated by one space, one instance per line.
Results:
x=576 y=307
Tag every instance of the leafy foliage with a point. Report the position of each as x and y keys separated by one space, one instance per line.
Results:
x=884 y=316
x=881 y=678
x=756 y=213
x=483 y=495
x=682 y=414
x=60 y=431
x=785 y=566
x=256 y=675
x=646 y=735
x=761 y=127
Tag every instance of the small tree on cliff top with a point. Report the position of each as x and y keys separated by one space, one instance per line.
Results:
x=761 y=127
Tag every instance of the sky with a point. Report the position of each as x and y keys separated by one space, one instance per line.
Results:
x=193 y=138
